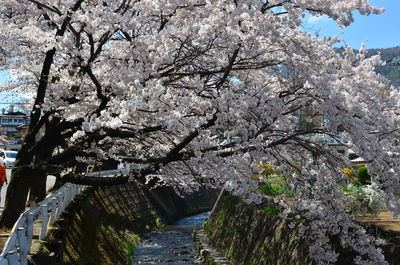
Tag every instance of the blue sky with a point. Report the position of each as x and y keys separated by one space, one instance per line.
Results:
x=3 y=77
x=376 y=31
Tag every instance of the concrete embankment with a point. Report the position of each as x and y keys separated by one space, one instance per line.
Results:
x=103 y=225
x=248 y=236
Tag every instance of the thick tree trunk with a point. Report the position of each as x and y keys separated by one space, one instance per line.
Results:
x=22 y=179
x=18 y=188
x=17 y=193
x=38 y=187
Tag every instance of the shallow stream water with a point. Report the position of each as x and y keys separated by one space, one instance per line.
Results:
x=170 y=245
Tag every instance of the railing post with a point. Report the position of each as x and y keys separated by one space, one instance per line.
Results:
x=23 y=245
x=73 y=190
x=45 y=221
x=53 y=210
x=60 y=208
x=29 y=229
x=67 y=195
x=20 y=241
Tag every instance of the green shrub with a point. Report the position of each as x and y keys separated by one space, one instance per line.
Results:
x=363 y=199
x=230 y=201
x=362 y=176
x=275 y=189
x=351 y=189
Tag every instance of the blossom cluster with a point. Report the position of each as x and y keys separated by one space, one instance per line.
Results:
x=201 y=91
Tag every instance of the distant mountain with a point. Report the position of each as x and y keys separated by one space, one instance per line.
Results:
x=392 y=68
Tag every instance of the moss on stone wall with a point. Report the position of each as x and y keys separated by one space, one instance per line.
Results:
x=102 y=226
x=253 y=237
x=107 y=225
x=248 y=236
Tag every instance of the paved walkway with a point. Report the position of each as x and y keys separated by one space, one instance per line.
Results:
x=384 y=220
x=4 y=234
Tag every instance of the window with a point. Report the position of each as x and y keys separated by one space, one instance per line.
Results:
x=11 y=154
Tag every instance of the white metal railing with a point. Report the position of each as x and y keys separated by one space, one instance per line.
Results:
x=18 y=245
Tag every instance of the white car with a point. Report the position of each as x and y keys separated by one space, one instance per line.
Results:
x=9 y=157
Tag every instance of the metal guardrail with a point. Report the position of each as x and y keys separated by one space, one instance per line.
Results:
x=18 y=245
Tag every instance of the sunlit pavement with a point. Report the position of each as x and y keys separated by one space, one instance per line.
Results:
x=50 y=182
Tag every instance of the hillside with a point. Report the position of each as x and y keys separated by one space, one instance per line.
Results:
x=392 y=68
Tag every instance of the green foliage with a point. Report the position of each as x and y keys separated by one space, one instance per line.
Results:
x=272 y=210
x=159 y=223
x=351 y=189
x=127 y=241
x=230 y=201
x=129 y=246
x=361 y=199
x=394 y=74
x=362 y=177
x=275 y=189
x=390 y=70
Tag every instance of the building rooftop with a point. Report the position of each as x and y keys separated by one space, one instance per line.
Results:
x=14 y=113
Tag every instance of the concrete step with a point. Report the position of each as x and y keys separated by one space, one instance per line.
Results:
x=207 y=254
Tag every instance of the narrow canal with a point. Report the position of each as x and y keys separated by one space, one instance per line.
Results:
x=171 y=245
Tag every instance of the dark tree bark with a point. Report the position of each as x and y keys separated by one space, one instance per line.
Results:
x=22 y=178
x=95 y=181
x=17 y=192
x=38 y=187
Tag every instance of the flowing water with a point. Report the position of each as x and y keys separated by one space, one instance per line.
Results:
x=171 y=245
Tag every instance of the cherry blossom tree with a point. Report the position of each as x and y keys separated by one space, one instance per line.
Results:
x=202 y=91
x=3 y=140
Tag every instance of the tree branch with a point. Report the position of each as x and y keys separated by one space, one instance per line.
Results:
x=94 y=181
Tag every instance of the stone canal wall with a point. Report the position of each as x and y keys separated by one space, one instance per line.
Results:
x=103 y=224
x=247 y=236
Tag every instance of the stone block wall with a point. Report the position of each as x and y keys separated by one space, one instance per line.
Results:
x=103 y=224
x=252 y=237
x=248 y=236
x=99 y=227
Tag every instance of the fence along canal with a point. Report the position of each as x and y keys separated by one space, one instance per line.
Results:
x=18 y=245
